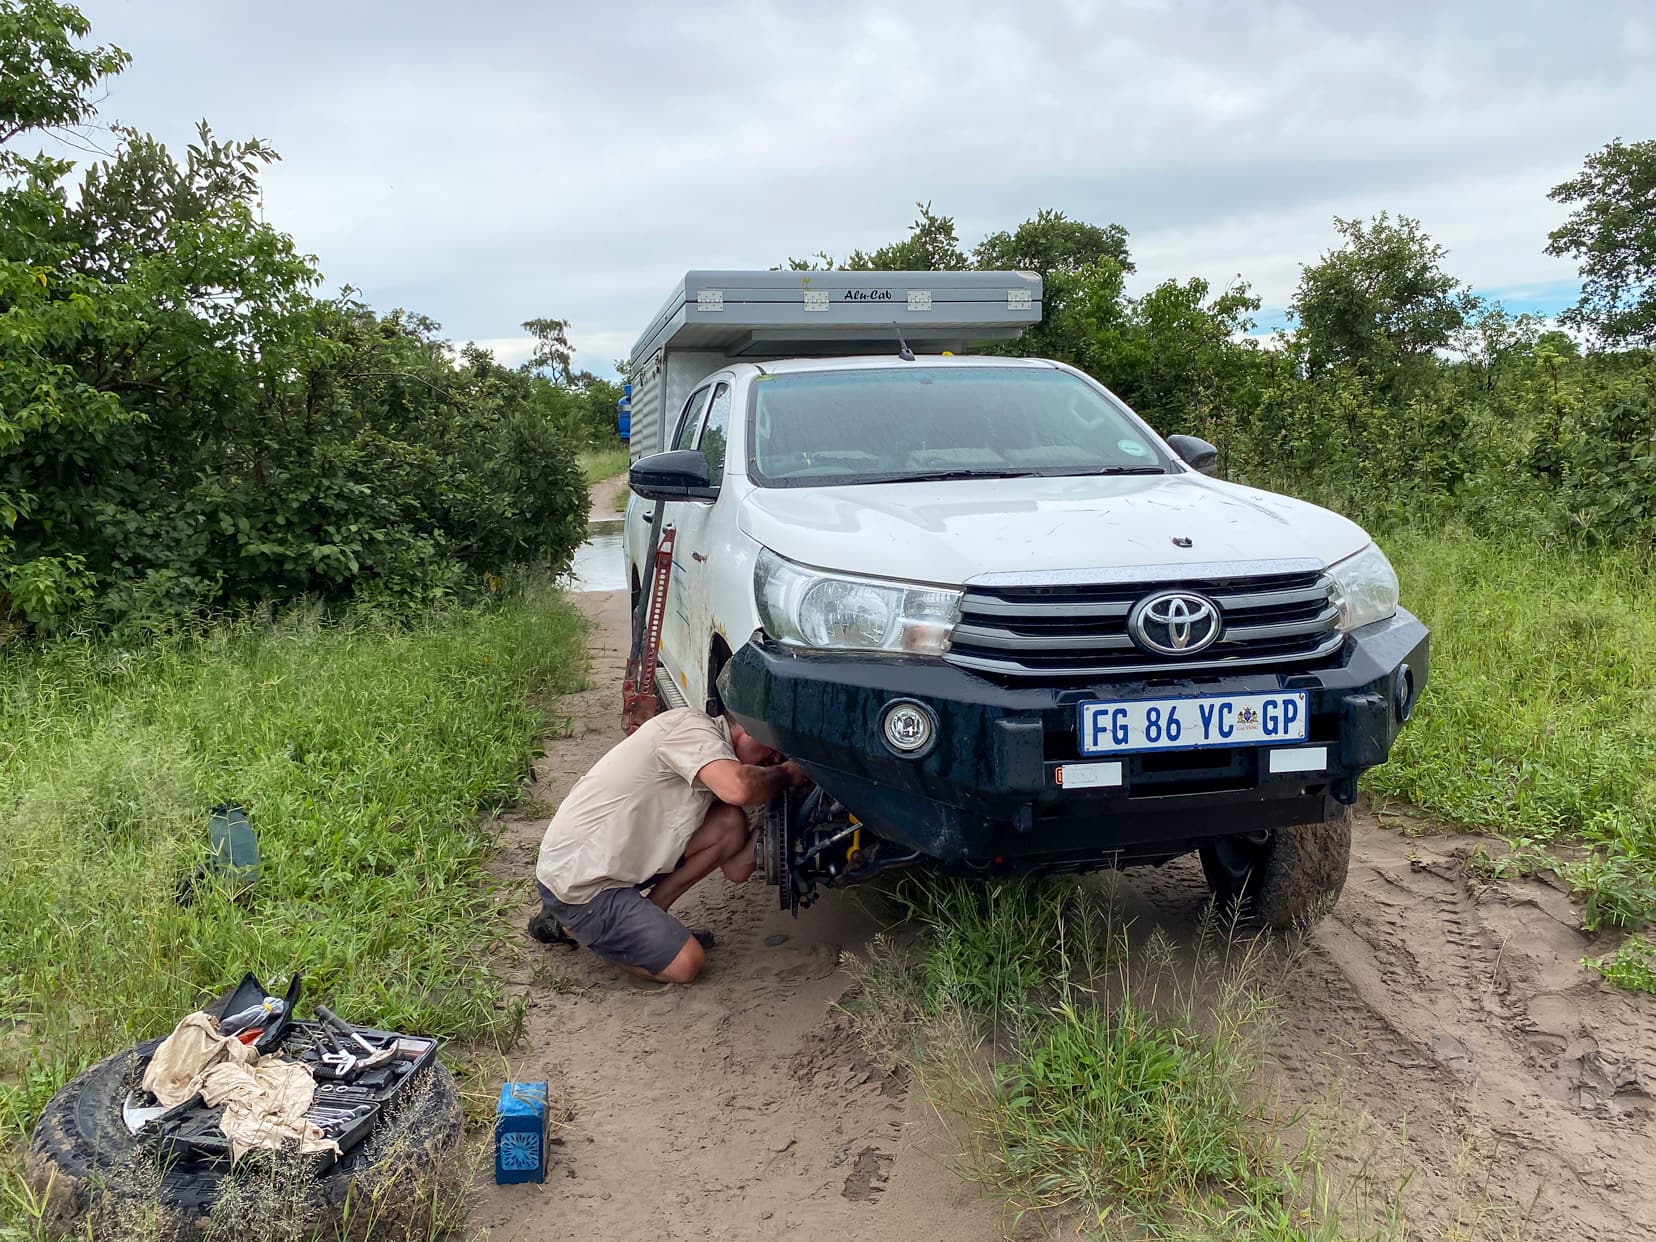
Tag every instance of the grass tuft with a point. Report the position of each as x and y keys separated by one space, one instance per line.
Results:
x=1631 y=966
x=1106 y=1085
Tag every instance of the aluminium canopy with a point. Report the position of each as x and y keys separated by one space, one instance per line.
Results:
x=756 y=315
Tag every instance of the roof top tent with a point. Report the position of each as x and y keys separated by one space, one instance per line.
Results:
x=712 y=319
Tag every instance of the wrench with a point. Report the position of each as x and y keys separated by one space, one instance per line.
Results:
x=371 y=1057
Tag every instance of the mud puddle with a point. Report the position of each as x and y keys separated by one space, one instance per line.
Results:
x=599 y=563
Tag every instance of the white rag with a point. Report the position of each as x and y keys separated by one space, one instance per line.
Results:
x=265 y=1100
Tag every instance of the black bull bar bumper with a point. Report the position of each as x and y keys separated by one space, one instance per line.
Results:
x=986 y=792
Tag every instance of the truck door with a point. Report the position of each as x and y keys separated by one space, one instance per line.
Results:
x=675 y=620
x=689 y=620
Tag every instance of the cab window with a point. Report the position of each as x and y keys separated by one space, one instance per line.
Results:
x=690 y=420
x=715 y=434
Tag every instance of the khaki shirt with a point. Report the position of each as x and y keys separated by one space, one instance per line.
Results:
x=630 y=817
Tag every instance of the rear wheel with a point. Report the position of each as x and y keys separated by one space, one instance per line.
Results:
x=1282 y=878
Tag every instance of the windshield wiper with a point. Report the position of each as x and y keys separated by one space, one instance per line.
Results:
x=939 y=476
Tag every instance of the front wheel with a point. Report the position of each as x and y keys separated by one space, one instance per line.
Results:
x=1283 y=878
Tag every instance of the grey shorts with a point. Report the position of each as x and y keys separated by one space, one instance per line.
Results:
x=622 y=925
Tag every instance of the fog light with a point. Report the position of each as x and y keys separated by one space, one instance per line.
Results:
x=1403 y=692
x=908 y=727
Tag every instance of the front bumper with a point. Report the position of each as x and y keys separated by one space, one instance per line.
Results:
x=986 y=793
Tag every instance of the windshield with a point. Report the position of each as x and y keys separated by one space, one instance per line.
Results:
x=819 y=428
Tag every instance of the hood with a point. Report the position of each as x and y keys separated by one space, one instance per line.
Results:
x=951 y=532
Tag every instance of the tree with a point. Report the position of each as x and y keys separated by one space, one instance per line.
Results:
x=552 y=353
x=930 y=246
x=45 y=78
x=1381 y=302
x=45 y=306
x=1493 y=340
x=1612 y=237
x=1053 y=243
x=1184 y=360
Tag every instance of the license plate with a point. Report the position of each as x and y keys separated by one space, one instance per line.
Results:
x=1194 y=723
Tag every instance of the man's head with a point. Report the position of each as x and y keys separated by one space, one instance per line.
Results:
x=750 y=749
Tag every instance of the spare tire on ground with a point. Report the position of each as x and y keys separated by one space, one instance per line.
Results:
x=92 y=1170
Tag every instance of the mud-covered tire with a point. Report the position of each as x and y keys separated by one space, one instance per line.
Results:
x=1287 y=879
x=84 y=1161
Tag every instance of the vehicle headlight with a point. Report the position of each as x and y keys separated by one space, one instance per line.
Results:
x=803 y=607
x=1365 y=588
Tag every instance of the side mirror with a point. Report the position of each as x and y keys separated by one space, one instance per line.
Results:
x=1195 y=452
x=678 y=475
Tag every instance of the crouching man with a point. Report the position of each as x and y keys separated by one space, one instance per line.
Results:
x=657 y=814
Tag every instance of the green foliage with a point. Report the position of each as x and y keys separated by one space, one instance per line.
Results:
x=1185 y=361
x=1595 y=445
x=184 y=424
x=1134 y=1110
x=1631 y=966
x=1050 y=243
x=364 y=751
x=930 y=246
x=47 y=74
x=1381 y=303
x=1612 y=236
x=990 y=946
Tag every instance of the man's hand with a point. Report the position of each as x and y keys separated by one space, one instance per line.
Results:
x=796 y=774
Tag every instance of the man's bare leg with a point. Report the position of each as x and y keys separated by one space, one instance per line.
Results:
x=690 y=962
x=719 y=842
x=722 y=841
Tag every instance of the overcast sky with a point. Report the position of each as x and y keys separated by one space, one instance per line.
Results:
x=489 y=162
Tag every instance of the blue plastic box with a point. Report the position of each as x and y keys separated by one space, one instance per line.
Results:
x=520 y=1133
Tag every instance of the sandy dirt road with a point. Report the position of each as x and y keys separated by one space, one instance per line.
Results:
x=1443 y=1028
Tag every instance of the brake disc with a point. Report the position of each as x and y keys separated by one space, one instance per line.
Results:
x=787 y=895
x=776 y=847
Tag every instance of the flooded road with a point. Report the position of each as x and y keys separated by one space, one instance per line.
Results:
x=600 y=565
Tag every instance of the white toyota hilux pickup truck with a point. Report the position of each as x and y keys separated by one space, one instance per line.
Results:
x=1005 y=626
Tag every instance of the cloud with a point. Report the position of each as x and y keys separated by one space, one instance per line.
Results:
x=493 y=162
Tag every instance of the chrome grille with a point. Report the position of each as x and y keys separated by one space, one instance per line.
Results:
x=1075 y=631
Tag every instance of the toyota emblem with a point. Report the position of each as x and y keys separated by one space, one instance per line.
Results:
x=1174 y=623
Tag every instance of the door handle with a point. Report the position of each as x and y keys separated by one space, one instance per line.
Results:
x=698 y=557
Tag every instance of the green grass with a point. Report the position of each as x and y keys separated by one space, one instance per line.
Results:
x=1107 y=1085
x=364 y=751
x=1540 y=719
x=599 y=465
x=1631 y=966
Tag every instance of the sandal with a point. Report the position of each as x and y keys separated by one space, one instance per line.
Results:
x=546 y=929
